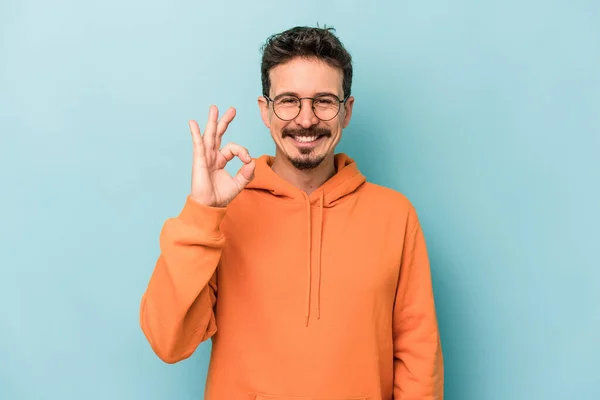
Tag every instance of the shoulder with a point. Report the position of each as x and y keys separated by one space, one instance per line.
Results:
x=394 y=204
x=386 y=197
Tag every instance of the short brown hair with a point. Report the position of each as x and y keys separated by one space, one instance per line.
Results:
x=303 y=41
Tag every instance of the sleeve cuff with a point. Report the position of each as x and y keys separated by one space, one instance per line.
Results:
x=206 y=219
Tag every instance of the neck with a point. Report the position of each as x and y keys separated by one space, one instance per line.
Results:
x=306 y=180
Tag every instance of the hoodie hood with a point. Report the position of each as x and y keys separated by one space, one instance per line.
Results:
x=346 y=181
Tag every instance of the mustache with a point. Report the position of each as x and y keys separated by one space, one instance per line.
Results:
x=312 y=131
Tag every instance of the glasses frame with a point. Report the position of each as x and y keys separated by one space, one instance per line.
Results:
x=312 y=103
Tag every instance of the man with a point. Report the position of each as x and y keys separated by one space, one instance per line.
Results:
x=311 y=282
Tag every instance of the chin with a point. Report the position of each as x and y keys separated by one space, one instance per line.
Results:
x=307 y=161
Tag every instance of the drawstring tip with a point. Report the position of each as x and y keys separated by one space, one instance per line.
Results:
x=306 y=321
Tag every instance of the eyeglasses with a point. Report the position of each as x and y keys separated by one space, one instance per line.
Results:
x=325 y=107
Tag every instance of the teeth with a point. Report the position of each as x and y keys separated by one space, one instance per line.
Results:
x=305 y=139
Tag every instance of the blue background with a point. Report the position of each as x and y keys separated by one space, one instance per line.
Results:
x=486 y=114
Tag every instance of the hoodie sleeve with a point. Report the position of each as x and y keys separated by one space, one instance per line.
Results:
x=418 y=360
x=177 y=309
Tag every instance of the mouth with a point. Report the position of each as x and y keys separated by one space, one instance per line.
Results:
x=307 y=141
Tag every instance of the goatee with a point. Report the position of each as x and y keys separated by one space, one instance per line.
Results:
x=307 y=162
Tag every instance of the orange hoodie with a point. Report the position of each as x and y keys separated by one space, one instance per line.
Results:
x=326 y=296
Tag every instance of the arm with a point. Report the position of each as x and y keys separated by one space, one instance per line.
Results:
x=177 y=309
x=418 y=360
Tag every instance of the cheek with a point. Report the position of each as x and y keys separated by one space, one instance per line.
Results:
x=335 y=128
x=276 y=127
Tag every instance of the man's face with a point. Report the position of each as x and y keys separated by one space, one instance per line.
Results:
x=305 y=140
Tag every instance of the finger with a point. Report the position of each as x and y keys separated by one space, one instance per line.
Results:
x=231 y=150
x=223 y=124
x=196 y=139
x=245 y=174
x=211 y=128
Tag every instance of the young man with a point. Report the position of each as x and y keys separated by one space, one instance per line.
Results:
x=311 y=282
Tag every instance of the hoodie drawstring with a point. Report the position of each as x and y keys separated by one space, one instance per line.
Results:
x=308 y=254
x=320 y=244
x=319 y=248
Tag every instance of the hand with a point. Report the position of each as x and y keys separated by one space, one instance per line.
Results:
x=211 y=184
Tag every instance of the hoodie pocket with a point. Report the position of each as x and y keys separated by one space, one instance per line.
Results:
x=264 y=396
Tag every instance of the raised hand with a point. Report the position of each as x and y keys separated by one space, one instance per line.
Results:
x=212 y=185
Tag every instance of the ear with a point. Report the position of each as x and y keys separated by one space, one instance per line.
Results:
x=348 y=111
x=263 y=105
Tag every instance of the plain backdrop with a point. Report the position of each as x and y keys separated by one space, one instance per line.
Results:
x=486 y=114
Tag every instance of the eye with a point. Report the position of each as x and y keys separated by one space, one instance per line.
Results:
x=324 y=101
x=288 y=100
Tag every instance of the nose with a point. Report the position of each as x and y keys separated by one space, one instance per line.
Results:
x=307 y=117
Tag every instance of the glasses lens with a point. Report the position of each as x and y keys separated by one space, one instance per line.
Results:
x=287 y=107
x=326 y=107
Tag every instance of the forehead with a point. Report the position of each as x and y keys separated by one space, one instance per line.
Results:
x=305 y=77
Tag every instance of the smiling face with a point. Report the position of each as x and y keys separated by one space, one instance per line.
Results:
x=305 y=140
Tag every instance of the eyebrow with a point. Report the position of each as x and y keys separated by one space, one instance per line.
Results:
x=296 y=94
